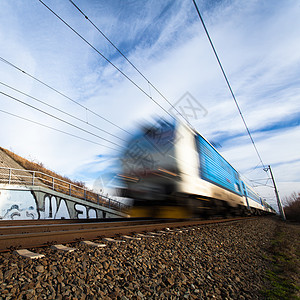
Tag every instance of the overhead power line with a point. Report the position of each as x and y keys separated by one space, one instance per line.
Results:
x=126 y=58
x=60 y=93
x=61 y=111
x=228 y=84
x=59 y=119
x=105 y=58
x=52 y=128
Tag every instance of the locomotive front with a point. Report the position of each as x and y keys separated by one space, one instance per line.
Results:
x=150 y=172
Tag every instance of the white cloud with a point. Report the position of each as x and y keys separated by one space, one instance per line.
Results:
x=257 y=42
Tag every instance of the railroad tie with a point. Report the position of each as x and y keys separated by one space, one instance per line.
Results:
x=92 y=244
x=62 y=248
x=163 y=232
x=28 y=254
x=127 y=237
x=113 y=240
x=145 y=235
x=155 y=233
x=167 y=232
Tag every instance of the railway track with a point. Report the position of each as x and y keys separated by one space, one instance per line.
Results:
x=27 y=234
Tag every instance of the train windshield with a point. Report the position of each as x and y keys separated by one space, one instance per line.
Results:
x=151 y=148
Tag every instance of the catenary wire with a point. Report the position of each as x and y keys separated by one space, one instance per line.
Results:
x=267 y=179
x=61 y=111
x=126 y=58
x=251 y=181
x=252 y=169
x=57 y=118
x=258 y=185
x=227 y=81
x=86 y=17
x=58 y=130
x=60 y=93
x=105 y=58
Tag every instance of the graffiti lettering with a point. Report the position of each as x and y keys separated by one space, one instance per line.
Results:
x=54 y=212
x=83 y=212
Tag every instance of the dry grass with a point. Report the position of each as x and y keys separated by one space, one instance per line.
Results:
x=292 y=207
x=60 y=183
x=39 y=167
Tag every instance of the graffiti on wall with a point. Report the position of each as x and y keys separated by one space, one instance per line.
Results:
x=17 y=205
x=58 y=208
x=22 y=205
x=84 y=212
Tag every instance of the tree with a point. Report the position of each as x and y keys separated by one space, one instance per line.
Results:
x=292 y=207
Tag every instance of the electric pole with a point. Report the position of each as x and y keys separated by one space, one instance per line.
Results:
x=281 y=211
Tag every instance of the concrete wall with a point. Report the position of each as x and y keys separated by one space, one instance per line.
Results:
x=21 y=203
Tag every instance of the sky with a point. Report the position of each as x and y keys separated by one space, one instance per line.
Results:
x=257 y=42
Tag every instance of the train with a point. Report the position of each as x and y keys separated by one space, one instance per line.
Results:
x=172 y=171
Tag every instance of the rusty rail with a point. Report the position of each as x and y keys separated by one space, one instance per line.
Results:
x=16 y=237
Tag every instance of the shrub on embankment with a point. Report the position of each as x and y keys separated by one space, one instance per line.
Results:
x=39 y=167
x=292 y=207
x=58 y=182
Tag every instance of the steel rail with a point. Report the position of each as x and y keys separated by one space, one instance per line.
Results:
x=63 y=234
x=34 y=228
x=33 y=222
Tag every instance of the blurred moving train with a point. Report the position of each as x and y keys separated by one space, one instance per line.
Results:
x=170 y=170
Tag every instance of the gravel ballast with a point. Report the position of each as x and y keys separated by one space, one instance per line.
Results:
x=219 y=261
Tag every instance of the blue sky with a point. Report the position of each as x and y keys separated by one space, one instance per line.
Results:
x=257 y=42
